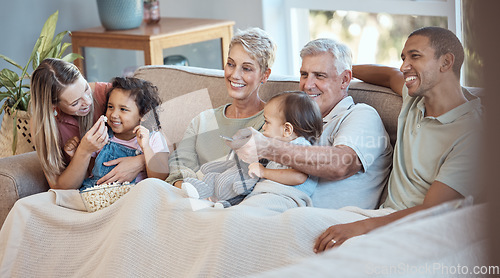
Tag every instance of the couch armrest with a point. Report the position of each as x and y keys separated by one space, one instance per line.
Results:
x=20 y=176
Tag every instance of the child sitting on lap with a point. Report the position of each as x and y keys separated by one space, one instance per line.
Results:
x=290 y=116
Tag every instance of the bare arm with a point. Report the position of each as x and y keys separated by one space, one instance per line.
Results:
x=156 y=163
x=74 y=174
x=380 y=75
x=283 y=176
x=330 y=162
x=438 y=193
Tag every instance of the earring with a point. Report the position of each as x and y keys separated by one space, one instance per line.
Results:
x=55 y=113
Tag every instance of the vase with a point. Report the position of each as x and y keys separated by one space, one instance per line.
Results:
x=120 y=14
x=151 y=11
x=24 y=142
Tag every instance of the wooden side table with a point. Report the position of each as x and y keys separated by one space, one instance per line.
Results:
x=152 y=39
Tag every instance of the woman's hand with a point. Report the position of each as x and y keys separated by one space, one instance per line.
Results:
x=256 y=170
x=76 y=171
x=127 y=169
x=95 y=138
x=71 y=146
x=335 y=235
x=248 y=143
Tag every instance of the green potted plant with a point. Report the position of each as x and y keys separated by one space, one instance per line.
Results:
x=15 y=88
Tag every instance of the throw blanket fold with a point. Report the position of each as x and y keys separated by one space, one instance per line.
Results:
x=154 y=231
x=277 y=197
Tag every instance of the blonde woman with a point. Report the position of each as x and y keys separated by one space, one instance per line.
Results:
x=251 y=55
x=65 y=106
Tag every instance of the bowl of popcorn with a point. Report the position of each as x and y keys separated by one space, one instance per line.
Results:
x=100 y=196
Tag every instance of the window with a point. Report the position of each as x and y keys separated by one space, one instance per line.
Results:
x=374 y=38
x=374 y=29
x=473 y=64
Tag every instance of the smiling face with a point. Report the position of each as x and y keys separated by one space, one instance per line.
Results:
x=420 y=66
x=242 y=74
x=123 y=114
x=320 y=80
x=76 y=99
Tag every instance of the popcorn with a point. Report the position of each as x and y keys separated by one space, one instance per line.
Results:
x=105 y=119
x=103 y=195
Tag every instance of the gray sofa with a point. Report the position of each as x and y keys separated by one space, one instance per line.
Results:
x=21 y=175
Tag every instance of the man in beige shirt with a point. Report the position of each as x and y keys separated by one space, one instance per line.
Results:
x=438 y=128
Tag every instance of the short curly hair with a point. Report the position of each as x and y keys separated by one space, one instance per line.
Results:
x=144 y=93
x=257 y=44
x=443 y=41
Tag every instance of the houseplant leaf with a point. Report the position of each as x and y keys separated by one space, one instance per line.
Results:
x=57 y=43
x=63 y=48
x=48 y=30
x=35 y=54
x=71 y=57
x=8 y=78
x=4 y=95
x=14 y=133
x=17 y=89
x=10 y=61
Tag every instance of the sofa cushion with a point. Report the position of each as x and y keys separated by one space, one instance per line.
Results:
x=177 y=81
x=384 y=100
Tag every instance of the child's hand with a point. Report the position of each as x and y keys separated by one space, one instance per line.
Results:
x=142 y=134
x=71 y=146
x=256 y=170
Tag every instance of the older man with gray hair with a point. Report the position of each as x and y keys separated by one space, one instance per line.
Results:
x=353 y=156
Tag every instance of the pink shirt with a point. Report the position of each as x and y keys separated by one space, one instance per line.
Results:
x=68 y=125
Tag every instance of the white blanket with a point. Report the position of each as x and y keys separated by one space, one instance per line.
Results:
x=154 y=231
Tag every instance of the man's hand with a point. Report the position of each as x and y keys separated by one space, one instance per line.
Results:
x=437 y=194
x=247 y=143
x=256 y=170
x=71 y=146
x=335 y=235
x=127 y=169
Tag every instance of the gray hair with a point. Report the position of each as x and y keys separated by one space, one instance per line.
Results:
x=257 y=44
x=340 y=51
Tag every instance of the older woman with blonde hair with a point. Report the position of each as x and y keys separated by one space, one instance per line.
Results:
x=66 y=108
x=251 y=55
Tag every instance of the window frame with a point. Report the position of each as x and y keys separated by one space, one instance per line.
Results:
x=293 y=15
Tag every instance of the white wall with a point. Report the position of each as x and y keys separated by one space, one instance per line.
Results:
x=21 y=22
x=244 y=13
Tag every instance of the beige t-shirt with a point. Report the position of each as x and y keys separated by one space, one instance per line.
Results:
x=442 y=148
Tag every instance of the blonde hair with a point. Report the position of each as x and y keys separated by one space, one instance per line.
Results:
x=257 y=44
x=48 y=81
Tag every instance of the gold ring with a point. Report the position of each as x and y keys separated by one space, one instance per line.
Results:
x=333 y=241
